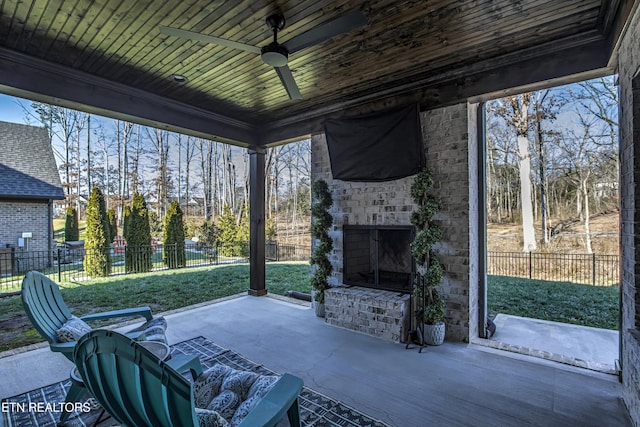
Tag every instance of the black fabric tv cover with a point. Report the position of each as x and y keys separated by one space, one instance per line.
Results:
x=377 y=147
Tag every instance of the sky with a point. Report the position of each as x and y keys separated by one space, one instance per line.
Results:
x=10 y=110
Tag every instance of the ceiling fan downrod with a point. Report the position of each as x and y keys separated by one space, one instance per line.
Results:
x=275 y=54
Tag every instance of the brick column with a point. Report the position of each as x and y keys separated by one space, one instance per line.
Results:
x=629 y=121
x=447 y=140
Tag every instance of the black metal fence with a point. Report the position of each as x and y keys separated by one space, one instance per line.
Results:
x=67 y=265
x=275 y=251
x=591 y=269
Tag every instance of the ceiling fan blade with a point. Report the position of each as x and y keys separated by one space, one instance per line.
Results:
x=184 y=34
x=288 y=82
x=325 y=31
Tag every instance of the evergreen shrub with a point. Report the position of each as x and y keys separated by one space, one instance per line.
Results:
x=71 y=230
x=173 y=255
x=97 y=260
x=137 y=233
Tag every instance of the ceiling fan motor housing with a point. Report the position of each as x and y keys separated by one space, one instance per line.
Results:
x=276 y=21
x=275 y=55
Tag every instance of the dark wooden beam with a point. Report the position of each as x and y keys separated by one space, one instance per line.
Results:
x=615 y=20
x=257 y=285
x=607 y=16
x=530 y=69
x=27 y=77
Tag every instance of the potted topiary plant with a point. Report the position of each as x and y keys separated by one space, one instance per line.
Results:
x=430 y=304
x=321 y=221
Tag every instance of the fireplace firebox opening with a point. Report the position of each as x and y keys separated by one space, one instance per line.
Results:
x=378 y=257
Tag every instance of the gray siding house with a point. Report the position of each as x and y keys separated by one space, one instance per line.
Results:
x=29 y=183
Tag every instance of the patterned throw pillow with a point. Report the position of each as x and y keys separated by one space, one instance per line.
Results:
x=208 y=418
x=152 y=330
x=257 y=392
x=72 y=330
x=231 y=393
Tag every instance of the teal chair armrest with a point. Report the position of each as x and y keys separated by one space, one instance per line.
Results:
x=139 y=311
x=184 y=362
x=134 y=335
x=277 y=402
x=63 y=347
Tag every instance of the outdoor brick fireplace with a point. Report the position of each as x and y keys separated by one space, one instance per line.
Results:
x=375 y=300
x=378 y=257
x=371 y=257
x=377 y=267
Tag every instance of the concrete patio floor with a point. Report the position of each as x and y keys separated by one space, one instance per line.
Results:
x=454 y=384
x=582 y=346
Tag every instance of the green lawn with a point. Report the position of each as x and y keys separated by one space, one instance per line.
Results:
x=170 y=289
x=162 y=291
x=566 y=302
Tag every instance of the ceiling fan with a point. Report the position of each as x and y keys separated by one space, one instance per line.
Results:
x=277 y=54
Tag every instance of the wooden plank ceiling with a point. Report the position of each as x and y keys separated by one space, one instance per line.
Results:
x=403 y=42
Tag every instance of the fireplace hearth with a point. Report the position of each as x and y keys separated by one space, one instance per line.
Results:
x=378 y=257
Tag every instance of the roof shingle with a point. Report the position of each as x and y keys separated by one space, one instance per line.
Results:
x=27 y=166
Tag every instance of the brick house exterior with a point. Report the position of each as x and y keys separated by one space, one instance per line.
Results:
x=29 y=183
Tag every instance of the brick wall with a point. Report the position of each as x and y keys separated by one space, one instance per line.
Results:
x=629 y=77
x=447 y=140
x=358 y=203
x=383 y=314
x=446 y=137
x=19 y=217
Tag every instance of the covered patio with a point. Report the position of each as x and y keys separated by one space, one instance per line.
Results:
x=443 y=57
x=455 y=384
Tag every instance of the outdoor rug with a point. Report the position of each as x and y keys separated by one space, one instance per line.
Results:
x=41 y=407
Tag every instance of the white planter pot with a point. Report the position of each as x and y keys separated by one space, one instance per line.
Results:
x=319 y=308
x=434 y=334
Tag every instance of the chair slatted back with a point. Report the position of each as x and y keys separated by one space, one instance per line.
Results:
x=132 y=384
x=44 y=305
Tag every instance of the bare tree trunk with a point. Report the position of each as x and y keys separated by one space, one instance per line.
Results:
x=524 y=167
x=542 y=175
x=203 y=172
x=490 y=178
x=585 y=197
x=160 y=139
x=528 y=232
x=89 y=154
x=217 y=184
x=268 y=181
x=579 y=208
x=230 y=183
x=135 y=163
x=225 y=177
x=105 y=177
x=119 y=195
x=190 y=150
x=206 y=153
x=78 y=167
x=245 y=187
x=127 y=133
x=294 y=220
x=276 y=184
x=210 y=175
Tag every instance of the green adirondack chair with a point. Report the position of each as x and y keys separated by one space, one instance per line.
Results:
x=47 y=311
x=138 y=389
